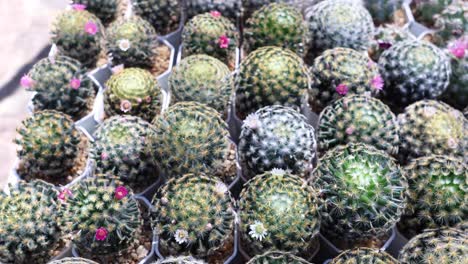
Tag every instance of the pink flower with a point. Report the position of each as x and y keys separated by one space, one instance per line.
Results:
x=64 y=193
x=350 y=130
x=91 y=28
x=215 y=14
x=75 y=83
x=125 y=106
x=104 y=156
x=26 y=81
x=377 y=82
x=342 y=89
x=101 y=234
x=458 y=49
x=148 y=99
x=79 y=7
x=223 y=42
x=139 y=100
x=120 y=192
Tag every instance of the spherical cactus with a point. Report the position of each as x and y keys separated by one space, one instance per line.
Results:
x=132 y=42
x=78 y=34
x=383 y=11
x=250 y=6
x=437 y=193
x=60 y=84
x=341 y=71
x=270 y=76
x=228 y=8
x=211 y=34
x=385 y=37
x=203 y=79
x=452 y=22
x=358 y=118
x=414 y=70
x=431 y=127
x=425 y=10
x=28 y=223
x=457 y=92
x=362 y=194
x=338 y=23
x=364 y=256
x=278 y=211
x=133 y=91
x=120 y=148
x=105 y=10
x=164 y=15
x=102 y=215
x=190 y=138
x=73 y=261
x=180 y=260
x=277 y=257
x=278 y=25
x=447 y=245
x=194 y=214
x=48 y=146
x=276 y=137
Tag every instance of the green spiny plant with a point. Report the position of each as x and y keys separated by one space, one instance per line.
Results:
x=362 y=194
x=339 y=72
x=102 y=215
x=437 y=193
x=48 y=145
x=133 y=91
x=250 y=6
x=279 y=25
x=105 y=10
x=457 y=92
x=164 y=15
x=270 y=76
x=431 y=127
x=277 y=257
x=452 y=22
x=73 y=261
x=194 y=214
x=203 y=79
x=383 y=11
x=179 y=260
x=211 y=34
x=445 y=246
x=358 y=118
x=364 y=256
x=278 y=211
x=132 y=42
x=28 y=223
x=78 y=34
x=385 y=37
x=425 y=10
x=228 y=8
x=60 y=84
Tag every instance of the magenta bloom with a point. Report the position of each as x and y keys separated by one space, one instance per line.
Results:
x=79 y=7
x=64 y=194
x=104 y=156
x=377 y=82
x=215 y=13
x=385 y=45
x=458 y=49
x=120 y=192
x=223 y=42
x=91 y=28
x=101 y=234
x=342 y=89
x=75 y=83
x=125 y=106
x=349 y=130
x=26 y=81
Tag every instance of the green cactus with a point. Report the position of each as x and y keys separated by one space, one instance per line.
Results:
x=203 y=79
x=105 y=10
x=452 y=22
x=279 y=25
x=445 y=246
x=338 y=23
x=342 y=71
x=358 y=118
x=362 y=194
x=61 y=84
x=179 y=260
x=48 y=146
x=457 y=92
x=164 y=15
x=425 y=10
x=385 y=37
x=228 y=8
x=211 y=34
x=364 y=256
x=73 y=261
x=78 y=34
x=276 y=137
x=278 y=212
x=28 y=223
x=194 y=214
x=431 y=127
x=437 y=195
x=270 y=76
x=277 y=257
x=250 y=6
x=383 y=11
x=120 y=148
x=133 y=91
x=132 y=42
x=102 y=215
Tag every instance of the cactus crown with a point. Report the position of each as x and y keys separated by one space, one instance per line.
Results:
x=163 y=15
x=277 y=257
x=106 y=10
x=73 y=261
x=228 y=8
x=364 y=256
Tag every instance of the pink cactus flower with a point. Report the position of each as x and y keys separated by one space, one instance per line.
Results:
x=79 y=7
x=26 y=81
x=223 y=42
x=139 y=100
x=350 y=130
x=342 y=89
x=75 y=83
x=64 y=194
x=104 y=156
x=91 y=28
x=125 y=106
x=120 y=192
x=458 y=49
x=101 y=234
x=148 y=99
x=377 y=82
x=215 y=14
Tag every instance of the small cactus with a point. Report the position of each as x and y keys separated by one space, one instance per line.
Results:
x=277 y=257
x=383 y=11
x=457 y=92
x=164 y=15
x=228 y=8
x=385 y=37
x=364 y=256
x=106 y=10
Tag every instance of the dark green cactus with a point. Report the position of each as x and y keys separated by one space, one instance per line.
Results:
x=164 y=15
x=106 y=10
x=228 y=8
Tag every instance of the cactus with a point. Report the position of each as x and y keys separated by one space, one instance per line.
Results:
x=277 y=257
x=120 y=148
x=133 y=91
x=190 y=138
x=362 y=194
x=457 y=92
x=194 y=214
x=431 y=127
x=105 y=10
x=73 y=261
x=48 y=145
x=425 y=10
x=228 y=8
x=279 y=25
x=164 y=15
x=270 y=76
x=447 y=245
x=203 y=79
x=452 y=22
x=385 y=37
x=338 y=23
x=102 y=215
x=412 y=71
x=179 y=260
x=364 y=256
x=250 y=6
x=342 y=71
x=358 y=118
x=383 y=11
x=278 y=212
x=437 y=194
x=211 y=34
x=78 y=34
x=276 y=137
x=132 y=42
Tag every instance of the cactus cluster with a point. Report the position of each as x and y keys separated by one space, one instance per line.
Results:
x=164 y=15
x=452 y=22
x=364 y=256
x=385 y=37
x=425 y=10
x=228 y=8
x=105 y=10
x=277 y=257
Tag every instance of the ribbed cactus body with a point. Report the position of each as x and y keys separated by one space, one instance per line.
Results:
x=452 y=22
x=164 y=15
x=105 y=10
x=364 y=256
x=228 y=8
x=277 y=257
x=383 y=11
